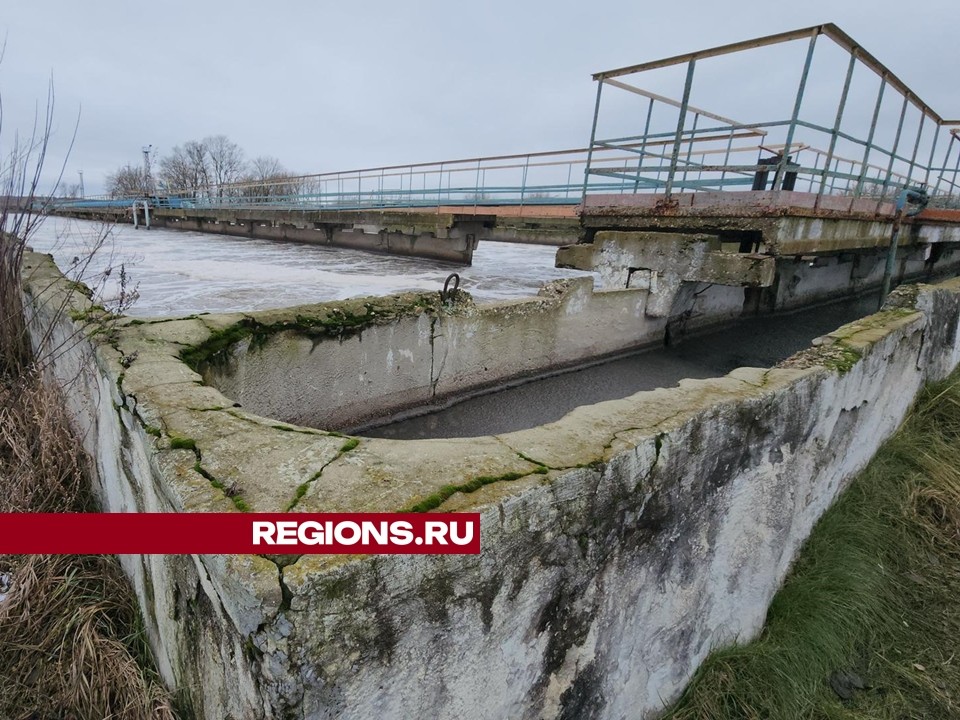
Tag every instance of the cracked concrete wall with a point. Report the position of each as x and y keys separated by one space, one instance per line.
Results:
x=601 y=588
x=620 y=543
x=343 y=382
x=197 y=610
x=421 y=361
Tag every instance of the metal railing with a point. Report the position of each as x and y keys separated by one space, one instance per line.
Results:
x=533 y=179
x=697 y=150
x=704 y=151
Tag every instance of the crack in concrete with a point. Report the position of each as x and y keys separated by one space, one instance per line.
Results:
x=348 y=446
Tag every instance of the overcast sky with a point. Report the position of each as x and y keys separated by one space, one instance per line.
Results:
x=332 y=86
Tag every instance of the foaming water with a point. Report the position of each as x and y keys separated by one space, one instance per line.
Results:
x=182 y=272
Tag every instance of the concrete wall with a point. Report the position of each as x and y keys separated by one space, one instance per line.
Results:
x=419 y=361
x=623 y=543
x=197 y=610
x=438 y=236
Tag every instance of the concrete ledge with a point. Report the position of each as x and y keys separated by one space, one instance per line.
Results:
x=789 y=223
x=620 y=543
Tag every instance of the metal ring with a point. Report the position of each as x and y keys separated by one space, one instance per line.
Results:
x=448 y=293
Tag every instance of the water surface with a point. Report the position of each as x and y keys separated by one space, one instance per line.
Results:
x=183 y=272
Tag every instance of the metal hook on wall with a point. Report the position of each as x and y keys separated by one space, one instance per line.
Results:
x=448 y=293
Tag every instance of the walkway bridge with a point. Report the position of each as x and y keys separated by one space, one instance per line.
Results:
x=823 y=175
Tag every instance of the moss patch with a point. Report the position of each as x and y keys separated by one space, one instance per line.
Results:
x=182 y=443
x=431 y=502
x=329 y=320
x=347 y=446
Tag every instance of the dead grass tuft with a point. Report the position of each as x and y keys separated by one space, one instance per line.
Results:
x=73 y=645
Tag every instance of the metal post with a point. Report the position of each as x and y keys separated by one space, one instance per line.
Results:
x=956 y=169
x=823 y=179
x=933 y=150
x=146 y=214
x=893 y=152
x=836 y=122
x=439 y=188
x=891 y=258
x=832 y=172
x=135 y=219
x=946 y=159
x=892 y=250
x=782 y=165
x=675 y=153
x=593 y=137
x=693 y=134
x=643 y=145
x=476 y=192
x=726 y=156
x=523 y=184
x=916 y=149
x=870 y=134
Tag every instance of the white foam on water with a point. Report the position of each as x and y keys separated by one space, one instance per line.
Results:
x=182 y=272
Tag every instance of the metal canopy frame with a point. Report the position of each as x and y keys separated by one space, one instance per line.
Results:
x=836 y=175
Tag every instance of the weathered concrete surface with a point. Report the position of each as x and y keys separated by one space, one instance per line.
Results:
x=661 y=262
x=670 y=264
x=439 y=236
x=785 y=223
x=433 y=353
x=637 y=535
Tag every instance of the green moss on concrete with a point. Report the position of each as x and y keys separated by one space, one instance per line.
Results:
x=231 y=493
x=530 y=460
x=182 y=443
x=301 y=491
x=330 y=320
x=151 y=430
x=841 y=358
x=79 y=287
x=91 y=314
x=431 y=502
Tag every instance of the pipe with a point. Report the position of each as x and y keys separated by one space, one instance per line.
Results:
x=913 y=196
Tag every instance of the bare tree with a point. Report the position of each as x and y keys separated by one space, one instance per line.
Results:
x=70 y=191
x=128 y=181
x=186 y=169
x=267 y=178
x=226 y=161
x=20 y=169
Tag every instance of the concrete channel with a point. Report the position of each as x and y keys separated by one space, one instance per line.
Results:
x=759 y=341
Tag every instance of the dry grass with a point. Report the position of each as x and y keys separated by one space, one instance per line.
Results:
x=70 y=631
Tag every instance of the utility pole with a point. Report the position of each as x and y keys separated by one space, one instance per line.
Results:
x=80 y=172
x=147 y=180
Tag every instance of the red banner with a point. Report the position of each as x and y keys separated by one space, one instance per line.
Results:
x=240 y=533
